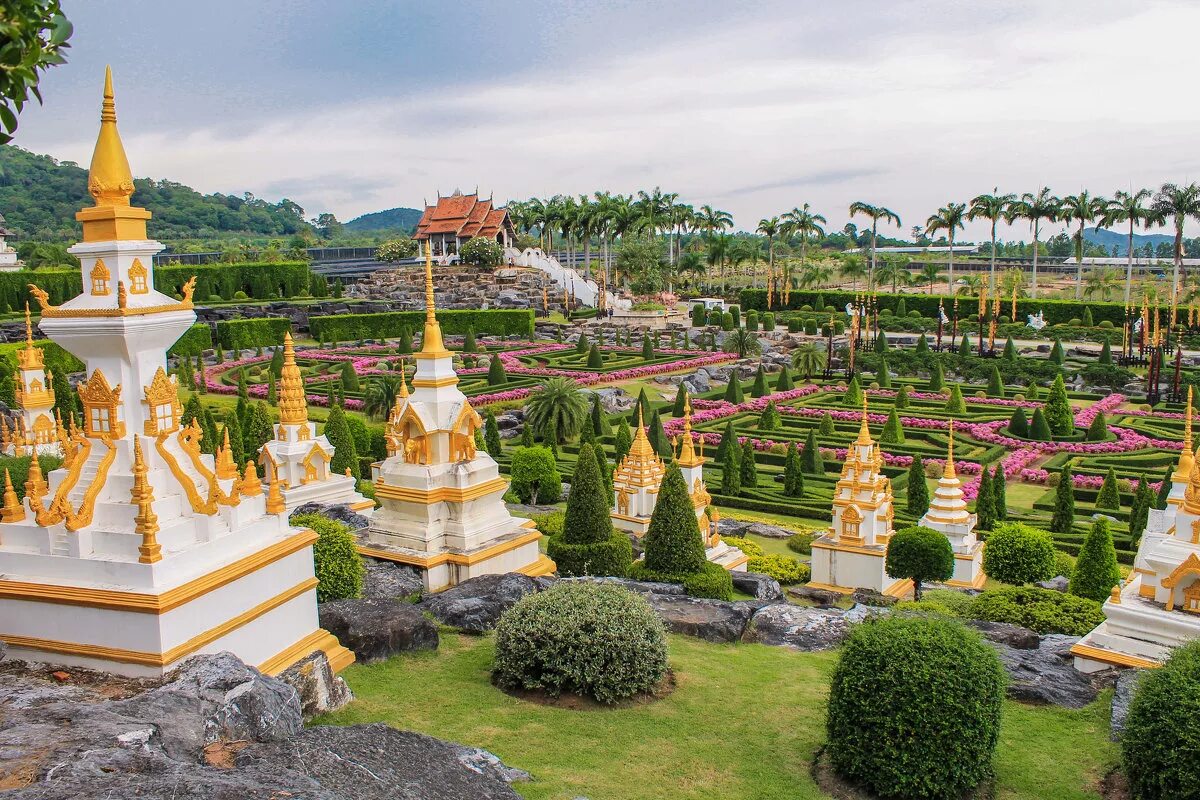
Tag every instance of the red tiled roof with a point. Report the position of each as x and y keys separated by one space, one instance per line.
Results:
x=495 y=219
x=456 y=206
x=463 y=215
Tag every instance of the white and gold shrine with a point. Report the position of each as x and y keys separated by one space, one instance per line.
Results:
x=140 y=551
x=37 y=429
x=442 y=499
x=852 y=553
x=1157 y=608
x=948 y=515
x=298 y=455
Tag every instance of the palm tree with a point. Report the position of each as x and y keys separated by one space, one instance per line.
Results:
x=742 y=342
x=713 y=221
x=894 y=271
x=1083 y=208
x=1128 y=207
x=852 y=267
x=949 y=218
x=802 y=222
x=876 y=213
x=930 y=274
x=718 y=248
x=1012 y=279
x=992 y=207
x=1035 y=208
x=971 y=284
x=770 y=229
x=690 y=264
x=1176 y=203
x=817 y=274
x=559 y=406
x=380 y=396
x=809 y=359
x=1102 y=281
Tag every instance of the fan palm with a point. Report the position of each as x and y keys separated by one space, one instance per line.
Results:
x=1081 y=208
x=1176 y=203
x=949 y=218
x=769 y=227
x=559 y=406
x=816 y=274
x=742 y=342
x=809 y=359
x=970 y=284
x=992 y=207
x=380 y=396
x=1035 y=208
x=930 y=274
x=876 y=213
x=1128 y=207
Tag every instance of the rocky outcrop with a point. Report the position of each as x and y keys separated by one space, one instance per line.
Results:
x=757 y=585
x=339 y=513
x=711 y=620
x=475 y=605
x=318 y=688
x=1058 y=584
x=797 y=627
x=641 y=587
x=376 y=629
x=1047 y=673
x=387 y=580
x=1127 y=684
x=1007 y=634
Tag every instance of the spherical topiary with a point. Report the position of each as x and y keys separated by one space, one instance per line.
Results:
x=338 y=567
x=1019 y=554
x=920 y=554
x=914 y=708
x=597 y=640
x=1160 y=747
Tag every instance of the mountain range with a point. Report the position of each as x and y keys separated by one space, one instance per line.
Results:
x=1107 y=238
x=392 y=219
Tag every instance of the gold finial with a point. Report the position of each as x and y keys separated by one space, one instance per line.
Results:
x=28 y=326
x=404 y=384
x=35 y=484
x=12 y=510
x=226 y=466
x=293 y=404
x=110 y=180
x=864 y=432
x=251 y=485
x=432 y=342
x=275 y=504
x=30 y=356
x=142 y=496
x=687 y=453
x=948 y=472
x=1187 y=461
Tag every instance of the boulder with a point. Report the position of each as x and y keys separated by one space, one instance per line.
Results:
x=711 y=620
x=376 y=628
x=698 y=382
x=341 y=513
x=1007 y=634
x=769 y=531
x=615 y=400
x=1058 y=584
x=388 y=580
x=1048 y=675
x=822 y=597
x=641 y=587
x=1127 y=684
x=757 y=585
x=732 y=527
x=861 y=613
x=797 y=627
x=870 y=597
x=475 y=605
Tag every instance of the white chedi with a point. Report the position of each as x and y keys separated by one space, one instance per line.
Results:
x=948 y=515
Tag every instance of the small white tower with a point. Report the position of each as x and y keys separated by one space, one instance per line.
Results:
x=8 y=256
x=948 y=514
x=37 y=428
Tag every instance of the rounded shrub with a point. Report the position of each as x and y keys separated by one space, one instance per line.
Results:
x=785 y=569
x=1019 y=554
x=711 y=581
x=801 y=543
x=597 y=640
x=914 y=708
x=1160 y=747
x=335 y=557
x=1041 y=610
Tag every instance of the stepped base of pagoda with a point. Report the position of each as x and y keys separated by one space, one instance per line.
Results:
x=968 y=567
x=846 y=568
x=1137 y=632
x=335 y=490
x=727 y=556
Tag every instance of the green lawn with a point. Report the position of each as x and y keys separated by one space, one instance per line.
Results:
x=743 y=722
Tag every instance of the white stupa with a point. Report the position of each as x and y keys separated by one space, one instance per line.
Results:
x=948 y=514
x=8 y=256
x=1157 y=608
x=37 y=429
x=298 y=455
x=852 y=553
x=442 y=500
x=140 y=551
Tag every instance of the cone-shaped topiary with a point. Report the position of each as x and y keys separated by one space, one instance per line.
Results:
x=469 y=345
x=491 y=435
x=826 y=428
x=1040 y=429
x=622 y=441
x=673 y=542
x=883 y=377
x=600 y=424
x=582 y=345
x=810 y=459
x=1139 y=511
x=881 y=343
x=1000 y=494
x=527 y=435
x=496 y=375
x=748 y=466
x=918 y=490
x=1164 y=489
x=955 y=404
x=345 y=456
x=854 y=395
x=658 y=436
x=784 y=382
x=1109 y=496
x=681 y=398
x=995 y=387
x=731 y=471
x=1098 y=430
x=759 y=388
x=769 y=420
x=985 y=503
x=1105 y=354
x=922 y=345
x=1087 y=320
x=901 y=400
x=404 y=343
x=1032 y=391
x=936 y=377
x=588 y=544
x=893 y=431
x=1064 y=502
x=1057 y=356
x=733 y=390
x=728 y=440
x=793 y=475
x=647 y=347
x=1160 y=746
x=1018 y=425
x=1058 y=409
x=920 y=554
x=1096 y=567
x=640 y=413
x=595 y=359
x=606 y=473
x=964 y=346
x=1010 y=350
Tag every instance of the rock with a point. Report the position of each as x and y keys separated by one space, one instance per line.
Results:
x=1058 y=584
x=870 y=597
x=641 y=587
x=859 y=613
x=390 y=581
x=822 y=597
x=1007 y=634
x=1127 y=684
x=615 y=400
x=668 y=380
x=475 y=605
x=376 y=628
x=800 y=628
x=341 y=513
x=318 y=688
x=769 y=531
x=711 y=620
x=757 y=585
x=732 y=527
x=698 y=382
x=1048 y=674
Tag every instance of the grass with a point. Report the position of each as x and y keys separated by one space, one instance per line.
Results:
x=743 y=722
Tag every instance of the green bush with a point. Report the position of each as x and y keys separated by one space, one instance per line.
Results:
x=921 y=554
x=495 y=321
x=914 y=708
x=588 y=544
x=1041 y=610
x=601 y=641
x=243 y=334
x=1064 y=564
x=550 y=524
x=942 y=601
x=785 y=569
x=535 y=477
x=748 y=547
x=1017 y=553
x=710 y=581
x=801 y=543
x=338 y=566
x=1160 y=746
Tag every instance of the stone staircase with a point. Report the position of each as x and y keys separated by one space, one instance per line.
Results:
x=585 y=291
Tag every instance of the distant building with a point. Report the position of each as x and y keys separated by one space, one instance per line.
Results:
x=8 y=256
x=460 y=217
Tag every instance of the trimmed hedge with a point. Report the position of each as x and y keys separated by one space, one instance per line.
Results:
x=243 y=334
x=194 y=341
x=1041 y=610
x=1160 y=746
x=259 y=281
x=338 y=567
x=349 y=327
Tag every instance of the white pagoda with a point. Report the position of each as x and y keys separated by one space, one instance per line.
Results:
x=8 y=256
x=442 y=500
x=948 y=514
x=1158 y=607
x=852 y=553
x=37 y=429
x=298 y=455
x=140 y=551
x=636 y=483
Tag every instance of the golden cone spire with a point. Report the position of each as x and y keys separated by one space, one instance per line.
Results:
x=110 y=182
x=226 y=466
x=293 y=405
x=275 y=504
x=29 y=356
x=251 y=485
x=35 y=484
x=687 y=453
x=12 y=510
x=864 y=432
x=431 y=344
x=948 y=471
x=142 y=496
x=1183 y=471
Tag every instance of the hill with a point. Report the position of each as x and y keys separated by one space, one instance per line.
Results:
x=39 y=196
x=1107 y=238
x=392 y=219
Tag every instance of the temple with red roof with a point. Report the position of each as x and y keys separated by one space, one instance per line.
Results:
x=459 y=217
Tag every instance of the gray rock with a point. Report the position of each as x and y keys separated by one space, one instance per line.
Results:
x=732 y=527
x=391 y=581
x=376 y=629
x=757 y=585
x=859 y=613
x=769 y=531
x=698 y=382
x=316 y=685
x=1048 y=674
x=1058 y=584
x=1007 y=634
x=870 y=597
x=341 y=513
x=800 y=628
x=475 y=605
x=641 y=587
x=1127 y=684
x=615 y=400
x=711 y=620
x=822 y=597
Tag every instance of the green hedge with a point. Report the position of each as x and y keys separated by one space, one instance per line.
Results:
x=350 y=327
x=195 y=341
x=56 y=356
x=241 y=334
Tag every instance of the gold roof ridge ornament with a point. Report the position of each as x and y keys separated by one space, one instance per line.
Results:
x=1183 y=471
x=293 y=405
x=687 y=453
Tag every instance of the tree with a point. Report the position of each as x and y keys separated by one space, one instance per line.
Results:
x=1176 y=203
x=882 y=376
x=34 y=34
x=1105 y=354
x=1128 y=207
x=491 y=435
x=404 y=347
x=1018 y=554
x=526 y=435
x=900 y=401
x=810 y=459
x=985 y=503
x=396 y=249
x=749 y=469
x=875 y=213
x=559 y=405
x=936 y=377
x=1040 y=428
x=1010 y=350
x=482 y=251
x=592 y=547
x=658 y=436
x=469 y=345
x=964 y=346
x=793 y=475
x=496 y=375
x=1164 y=490
x=893 y=431
x=1057 y=356
x=949 y=218
x=1082 y=208
x=769 y=419
x=826 y=428
x=992 y=207
x=599 y=419
x=622 y=441
x=345 y=454
x=1139 y=512
x=640 y=413
x=784 y=382
x=1109 y=496
x=647 y=347
x=731 y=471
x=1096 y=571
x=581 y=344
x=1035 y=208
x=380 y=396
x=742 y=342
x=809 y=359
x=922 y=345
x=999 y=494
x=733 y=390
x=1064 y=502
x=535 y=477
x=673 y=542
x=920 y=554
x=1098 y=430
x=995 y=387
x=1018 y=425
x=854 y=394
x=237 y=441
x=918 y=490
x=1160 y=745
x=1058 y=409
x=605 y=473
x=759 y=387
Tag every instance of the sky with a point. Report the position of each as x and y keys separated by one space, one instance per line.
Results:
x=753 y=107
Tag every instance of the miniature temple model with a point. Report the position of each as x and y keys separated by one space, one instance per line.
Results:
x=442 y=499
x=140 y=551
x=1157 y=608
x=37 y=428
x=948 y=514
x=637 y=480
x=298 y=456
x=8 y=256
x=457 y=219
x=852 y=553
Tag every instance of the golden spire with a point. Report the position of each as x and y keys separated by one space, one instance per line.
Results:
x=1183 y=471
x=226 y=466
x=687 y=453
x=948 y=472
x=404 y=385
x=35 y=484
x=293 y=405
x=275 y=504
x=142 y=496
x=432 y=342
x=29 y=356
x=864 y=433
x=251 y=485
x=12 y=510
x=110 y=183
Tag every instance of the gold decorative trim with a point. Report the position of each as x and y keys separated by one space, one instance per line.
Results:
x=143 y=603
x=442 y=494
x=320 y=639
x=880 y=553
x=58 y=312
x=465 y=559
x=436 y=383
x=543 y=566
x=365 y=504
x=737 y=562
x=978 y=583
x=1109 y=657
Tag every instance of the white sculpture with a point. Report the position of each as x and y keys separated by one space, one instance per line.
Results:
x=1037 y=321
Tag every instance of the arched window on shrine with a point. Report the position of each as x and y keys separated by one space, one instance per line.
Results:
x=139 y=277
x=100 y=277
x=162 y=397
x=100 y=403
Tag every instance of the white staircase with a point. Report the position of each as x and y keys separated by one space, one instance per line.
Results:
x=585 y=291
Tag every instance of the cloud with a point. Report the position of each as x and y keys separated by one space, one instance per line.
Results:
x=822 y=178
